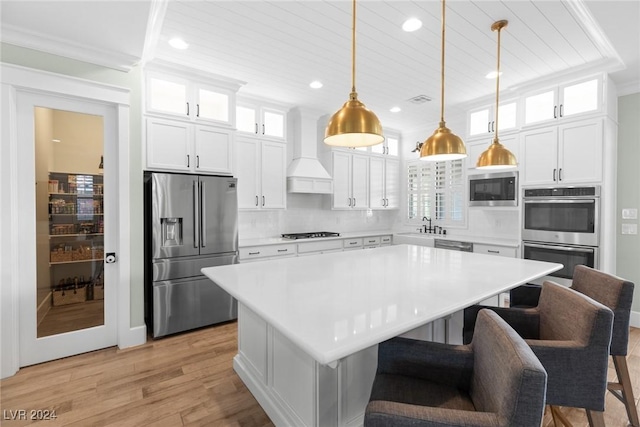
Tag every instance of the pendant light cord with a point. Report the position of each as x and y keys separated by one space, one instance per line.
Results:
x=498 y=87
x=353 y=52
x=442 y=67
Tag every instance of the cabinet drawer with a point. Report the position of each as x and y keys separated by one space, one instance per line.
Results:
x=352 y=244
x=385 y=240
x=494 y=250
x=326 y=245
x=369 y=241
x=251 y=252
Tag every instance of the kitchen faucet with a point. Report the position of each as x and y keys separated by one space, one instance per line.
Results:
x=427 y=229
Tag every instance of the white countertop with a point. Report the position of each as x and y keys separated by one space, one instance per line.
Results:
x=486 y=240
x=333 y=305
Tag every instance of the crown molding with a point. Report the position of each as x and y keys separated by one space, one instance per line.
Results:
x=67 y=48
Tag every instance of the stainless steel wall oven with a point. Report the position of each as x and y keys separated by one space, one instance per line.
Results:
x=562 y=224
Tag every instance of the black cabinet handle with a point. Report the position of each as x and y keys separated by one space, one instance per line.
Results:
x=555 y=111
x=561 y=112
x=198 y=162
x=554 y=175
x=188 y=160
x=187 y=108
x=197 y=110
x=560 y=174
x=257 y=200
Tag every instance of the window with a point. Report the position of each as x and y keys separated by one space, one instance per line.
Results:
x=437 y=191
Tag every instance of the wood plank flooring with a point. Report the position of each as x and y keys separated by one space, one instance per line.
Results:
x=183 y=380
x=72 y=317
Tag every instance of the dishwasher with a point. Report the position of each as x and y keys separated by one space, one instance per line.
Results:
x=453 y=245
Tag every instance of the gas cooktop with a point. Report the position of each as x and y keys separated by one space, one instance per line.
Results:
x=310 y=235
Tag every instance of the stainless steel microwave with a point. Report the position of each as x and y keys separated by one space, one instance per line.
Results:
x=494 y=189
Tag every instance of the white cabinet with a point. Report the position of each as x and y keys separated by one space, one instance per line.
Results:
x=259 y=119
x=390 y=146
x=175 y=145
x=569 y=100
x=570 y=153
x=482 y=121
x=249 y=253
x=349 y=244
x=501 y=300
x=350 y=173
x=321 y=247
x=477 y=147
x=188 y=99
x=384 y=183
x=261 y=173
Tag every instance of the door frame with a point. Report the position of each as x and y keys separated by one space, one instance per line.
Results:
x=14 y=80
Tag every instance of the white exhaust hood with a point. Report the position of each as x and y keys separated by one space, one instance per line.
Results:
x=305 y=173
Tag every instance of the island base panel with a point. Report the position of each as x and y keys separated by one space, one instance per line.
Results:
x=294 y=389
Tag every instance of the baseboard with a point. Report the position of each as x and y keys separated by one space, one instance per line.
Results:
x=133 y=337
x=635 y=319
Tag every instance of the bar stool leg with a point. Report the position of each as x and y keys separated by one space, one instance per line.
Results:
x=623 y=390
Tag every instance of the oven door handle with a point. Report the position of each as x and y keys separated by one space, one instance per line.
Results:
x=560 y=248
x=571 y=200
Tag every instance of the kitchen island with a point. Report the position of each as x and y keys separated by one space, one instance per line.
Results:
x=308 y=327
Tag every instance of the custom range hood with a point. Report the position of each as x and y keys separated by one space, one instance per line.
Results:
x=305 y=173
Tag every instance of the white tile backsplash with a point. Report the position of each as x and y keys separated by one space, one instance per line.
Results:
x=503 y=223
x=311 y=212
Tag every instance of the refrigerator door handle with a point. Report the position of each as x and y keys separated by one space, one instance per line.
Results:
x=203 y=216
x=196 y=219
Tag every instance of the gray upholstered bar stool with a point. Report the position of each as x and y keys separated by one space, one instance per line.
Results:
x=494 y=381
x=570 y=333
x=617 y=294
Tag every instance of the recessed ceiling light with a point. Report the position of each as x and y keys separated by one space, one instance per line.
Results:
x=316 y=84
x=411 y=24
x=493 y=75
x=178 y=43
x=395 y=109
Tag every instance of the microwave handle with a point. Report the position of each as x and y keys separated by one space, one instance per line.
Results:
x=559 y=248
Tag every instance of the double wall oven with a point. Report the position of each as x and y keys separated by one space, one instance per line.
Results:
x=562 y=224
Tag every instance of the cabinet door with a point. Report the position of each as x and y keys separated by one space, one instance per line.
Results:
x=580 y=98
x=480 y=121
x=341 y=172
x=540 y=107
x=213 y=150
x=247 y=119
x=168 y=145
x=580 y=152
x=273 y=123
x=360 y=181
x=540 y=156
x=377 y=183
x=392 y=183
x=212 y=104
x=274 y=184
x=168 y=95
x=247 y=171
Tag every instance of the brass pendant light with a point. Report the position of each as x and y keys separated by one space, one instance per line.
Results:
x=354 y=125
x=497 y=156
x=443 y=144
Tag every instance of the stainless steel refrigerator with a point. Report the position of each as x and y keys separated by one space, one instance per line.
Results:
x=191 y=222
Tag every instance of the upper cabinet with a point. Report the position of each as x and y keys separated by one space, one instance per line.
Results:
x=261 y=174
x=186 y=99
x=390 y=146
x=189 y=121
x=568 y=154
x=482 y=121
x=261 y=119
x=569 y=100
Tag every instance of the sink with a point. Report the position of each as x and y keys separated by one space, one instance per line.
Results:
x=414 y=238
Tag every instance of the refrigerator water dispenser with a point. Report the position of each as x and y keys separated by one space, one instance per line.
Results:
x=171 y=231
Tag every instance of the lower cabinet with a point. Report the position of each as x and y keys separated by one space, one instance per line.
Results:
x=259 y=253
x=501 y=300
x=321 y=247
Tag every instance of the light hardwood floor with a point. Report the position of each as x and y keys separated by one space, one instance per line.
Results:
x=183 y=380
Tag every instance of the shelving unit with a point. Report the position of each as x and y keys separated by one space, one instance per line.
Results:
x=76 y=237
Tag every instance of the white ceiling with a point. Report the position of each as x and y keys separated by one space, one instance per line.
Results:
x=279 y=47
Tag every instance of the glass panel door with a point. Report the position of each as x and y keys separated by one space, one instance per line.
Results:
x=580 y=98
x=213 y=105
x=540 y=107
x=69 y=220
